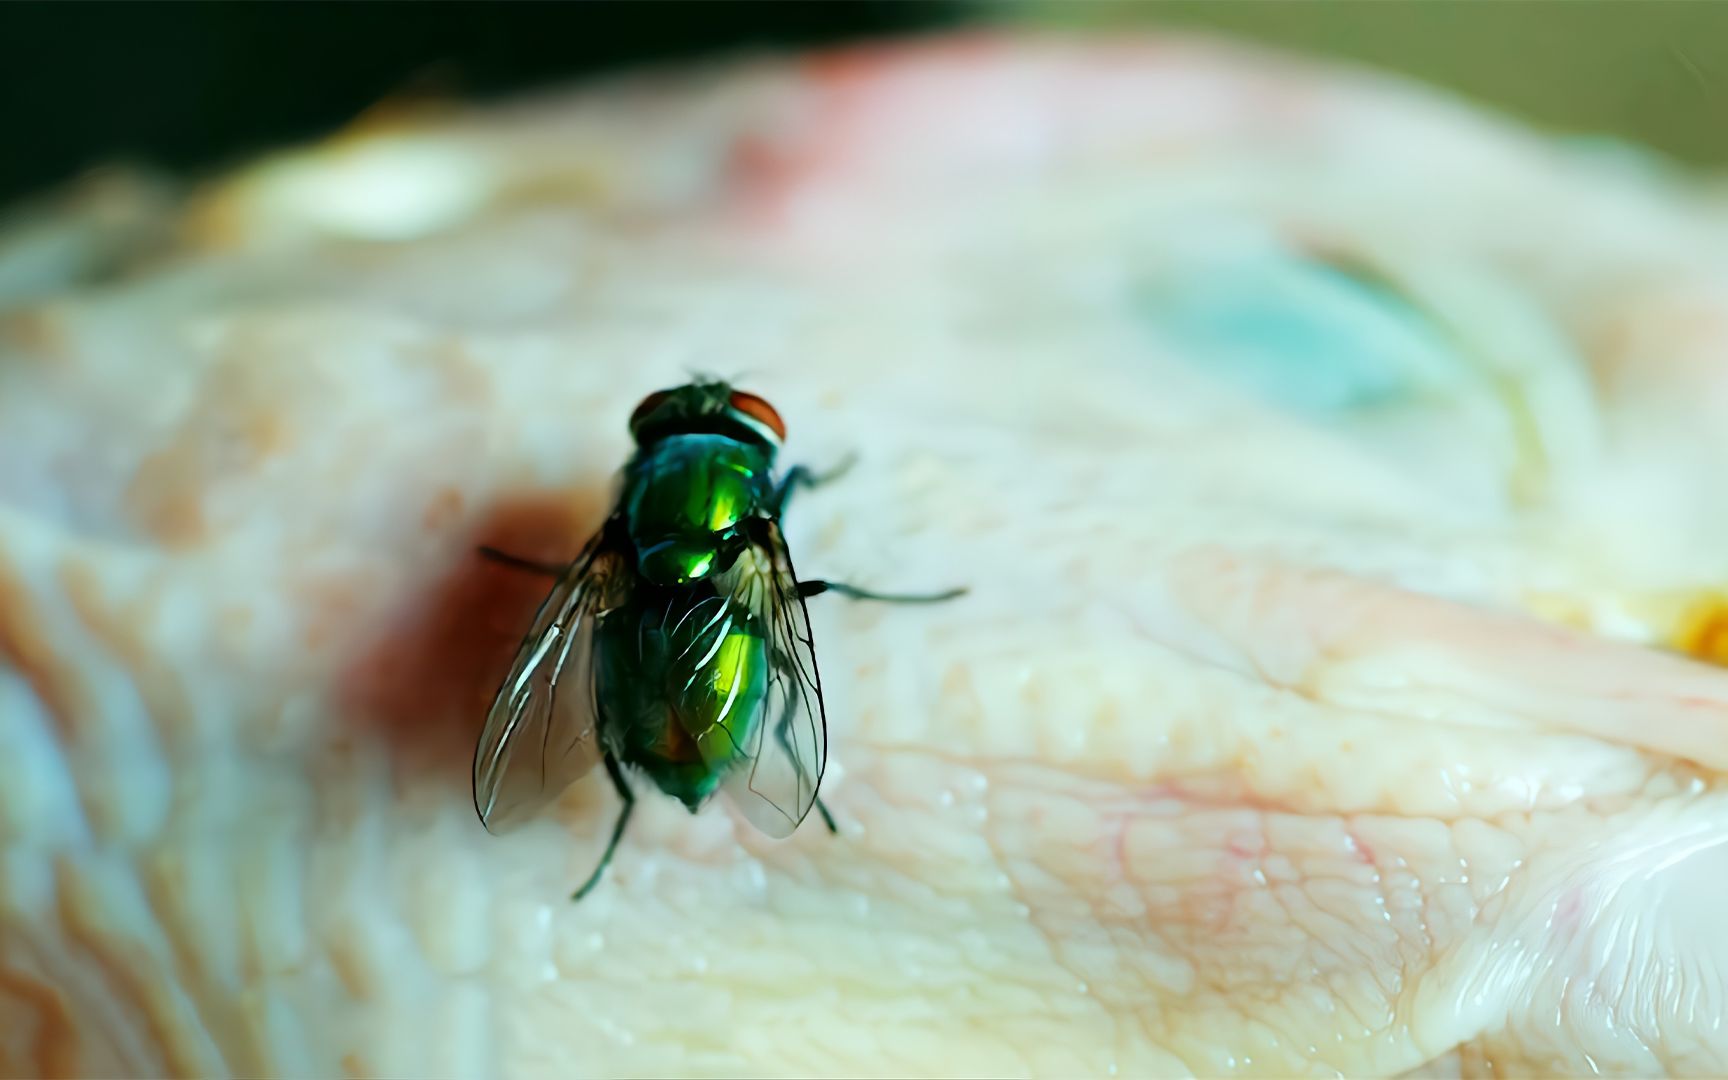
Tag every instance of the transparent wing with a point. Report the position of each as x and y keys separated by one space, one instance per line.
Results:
x=788 y=748
x=539 y=737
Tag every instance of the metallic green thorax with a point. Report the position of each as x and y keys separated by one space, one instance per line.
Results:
x=684 y=497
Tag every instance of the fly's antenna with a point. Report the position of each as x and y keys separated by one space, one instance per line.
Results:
x=698 y=377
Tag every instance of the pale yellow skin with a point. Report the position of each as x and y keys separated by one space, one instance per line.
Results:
x=1262 y=745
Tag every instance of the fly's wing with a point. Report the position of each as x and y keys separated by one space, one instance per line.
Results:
x=787 y=748
x=539 y=737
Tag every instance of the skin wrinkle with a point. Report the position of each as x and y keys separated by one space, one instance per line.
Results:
x=165 y=698
x=27 y=651
x=53 y=1053
x=133 y=976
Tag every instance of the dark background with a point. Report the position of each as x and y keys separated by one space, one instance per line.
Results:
x=195 y=85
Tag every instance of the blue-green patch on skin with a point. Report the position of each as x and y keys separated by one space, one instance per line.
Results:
x=1302 y=334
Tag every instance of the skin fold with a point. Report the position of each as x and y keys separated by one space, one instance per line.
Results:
x=1329 y=466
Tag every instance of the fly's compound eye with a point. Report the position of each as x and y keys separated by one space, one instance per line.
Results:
x=649 y=404
x=760 y=411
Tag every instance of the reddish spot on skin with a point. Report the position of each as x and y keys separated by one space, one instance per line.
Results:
x=840 y=88
x=427 y=681
x=1123 y=870
x=872 y=60
x=1364 y=850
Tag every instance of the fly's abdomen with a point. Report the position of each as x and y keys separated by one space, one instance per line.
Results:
x=724 y=680
x=681 y=686
x=684 y=499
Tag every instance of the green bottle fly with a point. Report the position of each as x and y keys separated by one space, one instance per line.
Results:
x=677 y=644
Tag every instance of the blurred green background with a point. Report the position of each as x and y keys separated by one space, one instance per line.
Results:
x=1652 y=71
x=195 y=84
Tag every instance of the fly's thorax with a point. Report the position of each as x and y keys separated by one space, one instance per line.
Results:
x=684 y=497
x=681 y=679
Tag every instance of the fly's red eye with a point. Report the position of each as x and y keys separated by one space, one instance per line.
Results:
x=649 y=404
x=757 y=409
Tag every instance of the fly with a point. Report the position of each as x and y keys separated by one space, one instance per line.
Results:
x=677 y=644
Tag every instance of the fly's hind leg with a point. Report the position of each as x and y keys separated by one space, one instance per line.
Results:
x=783 y=736
x=800 y=476
x=821 y=808
x=629 y=798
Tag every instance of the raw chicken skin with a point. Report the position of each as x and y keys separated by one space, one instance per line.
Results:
x=1330 y=466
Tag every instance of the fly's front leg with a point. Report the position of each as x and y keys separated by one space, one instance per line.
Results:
x=629 y=798
x=807 y=589
x=799 y=476
x=517 y=562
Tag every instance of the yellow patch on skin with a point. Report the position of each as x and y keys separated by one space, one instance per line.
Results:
x=1692 y=623
x=1702 y=631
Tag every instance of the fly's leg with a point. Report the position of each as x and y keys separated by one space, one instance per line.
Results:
x=800 y=476
x=807 y=589
x=783 y=736
x=517 y=562
x=625 y=794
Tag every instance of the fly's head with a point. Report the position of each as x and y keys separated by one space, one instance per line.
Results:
x=707 y=406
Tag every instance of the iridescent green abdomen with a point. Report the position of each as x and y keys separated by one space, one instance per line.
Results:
x=683 y=498
x=680 y=682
